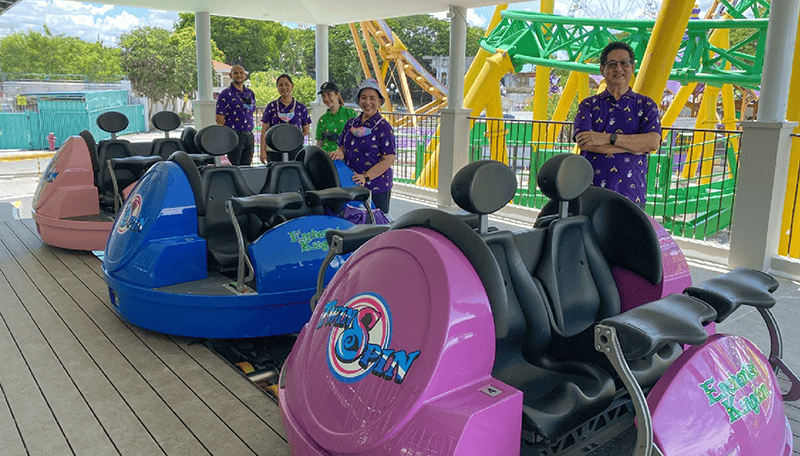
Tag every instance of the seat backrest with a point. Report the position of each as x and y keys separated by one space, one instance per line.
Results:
x=92 y=146
x=529 y=331
x=187 y=141
x=112 y=122
x=321 y=169
x=573 y=271
x=219 y=184
x=291 y=176
x=166 y=121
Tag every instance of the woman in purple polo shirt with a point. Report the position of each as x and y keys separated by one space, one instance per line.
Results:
x=367 y=146
x=285 y=109
x=618 y=128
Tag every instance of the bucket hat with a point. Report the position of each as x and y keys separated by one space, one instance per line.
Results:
x=370 y=83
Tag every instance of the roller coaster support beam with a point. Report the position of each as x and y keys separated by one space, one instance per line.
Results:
x=665 y=40
x=541 y=91
x=765 y=151
x=791 y=205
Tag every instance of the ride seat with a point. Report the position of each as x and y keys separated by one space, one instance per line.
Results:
x=166 y=121
x=112 y=122
x=289 y=176
x=218 y=184
x=574 y=271
x=557 y=396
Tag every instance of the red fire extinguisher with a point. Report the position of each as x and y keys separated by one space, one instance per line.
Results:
x=51 y=141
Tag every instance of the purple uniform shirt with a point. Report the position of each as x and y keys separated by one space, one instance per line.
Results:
x=633 y=113
x=295 y=114
x=237 y=106
x=365 y=144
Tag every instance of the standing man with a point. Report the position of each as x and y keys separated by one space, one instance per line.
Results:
x=617 y=128
x=235 y=107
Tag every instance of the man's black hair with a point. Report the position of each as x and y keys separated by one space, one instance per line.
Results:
x=613 y=46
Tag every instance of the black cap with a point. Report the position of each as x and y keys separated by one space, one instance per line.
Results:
x=328 y=87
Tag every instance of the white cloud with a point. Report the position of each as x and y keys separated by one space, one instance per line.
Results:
x=475 y=19
x=88 y=21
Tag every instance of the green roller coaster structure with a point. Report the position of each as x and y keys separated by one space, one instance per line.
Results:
x=694 y=208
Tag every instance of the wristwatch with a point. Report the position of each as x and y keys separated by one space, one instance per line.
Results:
x=366 y=179
x=612 y=139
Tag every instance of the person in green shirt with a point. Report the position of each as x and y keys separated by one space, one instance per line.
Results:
x=331 y=124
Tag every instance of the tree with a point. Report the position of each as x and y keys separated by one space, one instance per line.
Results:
x=47 y=54
x=254 y=44
x=263 y=84
x=161 y=65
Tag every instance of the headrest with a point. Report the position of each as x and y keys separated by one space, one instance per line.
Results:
x=484 y=186
x=166 y=120
x=216 y=140
x=284 y=138
x=565 y=177
x=112 y=121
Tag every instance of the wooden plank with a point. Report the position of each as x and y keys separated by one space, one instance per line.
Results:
x=210 y=429
x=126 y=431
x=225 y=390
x=252 y=397
x=217 y=371
x=38 y=428
x=9 y=433
x=254 y=431
x=171 y=434
x=69 y=407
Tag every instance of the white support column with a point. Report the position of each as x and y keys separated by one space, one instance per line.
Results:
x=454 y=129
x=779 y=51
x=765 y=150
x=321 y=56
x=204 y=106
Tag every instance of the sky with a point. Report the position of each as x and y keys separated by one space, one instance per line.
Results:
x=94 y=21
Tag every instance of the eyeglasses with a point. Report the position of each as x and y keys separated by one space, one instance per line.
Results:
x=625 y=64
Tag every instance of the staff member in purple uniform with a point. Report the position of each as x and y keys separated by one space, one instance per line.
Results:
x=618 y=128
x=235 y=107
x=367 y=146
x=285 y=109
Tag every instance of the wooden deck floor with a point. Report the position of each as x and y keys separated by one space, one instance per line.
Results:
x=76 y=379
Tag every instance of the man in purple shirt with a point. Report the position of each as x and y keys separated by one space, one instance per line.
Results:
x=235 y=107
x=618 y=128
x=367 y=146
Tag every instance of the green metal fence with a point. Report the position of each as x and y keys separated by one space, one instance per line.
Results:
x=691 y=178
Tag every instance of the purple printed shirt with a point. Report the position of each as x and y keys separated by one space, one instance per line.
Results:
x=295 y=114
x=237 y=106
x=633 y=113
x=365 y=144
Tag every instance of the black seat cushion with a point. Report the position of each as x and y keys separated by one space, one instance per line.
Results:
x=291 y=177
x=92 y=146
x=219 y=184
x=106 y=150
x=558 y=396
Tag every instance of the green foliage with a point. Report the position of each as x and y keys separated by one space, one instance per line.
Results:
x=46 y=54
x=256 y=45
x=263 y=84
x=161 y=64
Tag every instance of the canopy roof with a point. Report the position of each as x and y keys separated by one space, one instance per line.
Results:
x=328 y=12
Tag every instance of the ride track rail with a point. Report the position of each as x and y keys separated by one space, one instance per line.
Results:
x=575 y=44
